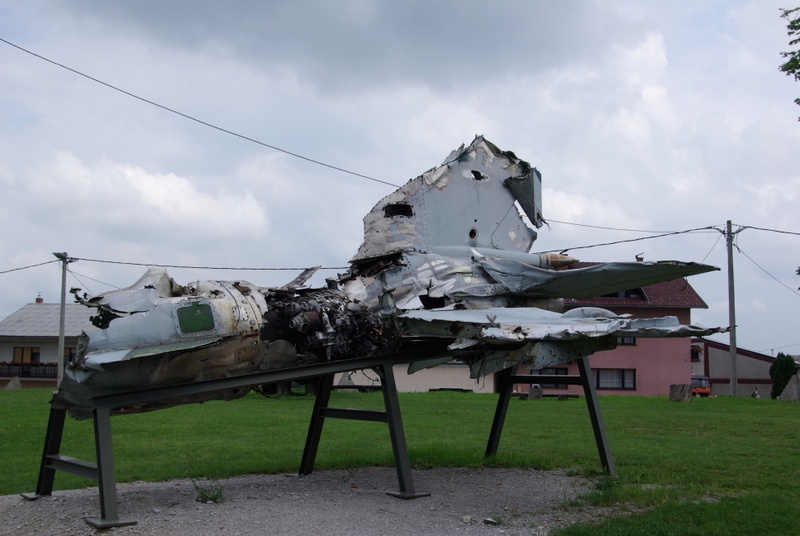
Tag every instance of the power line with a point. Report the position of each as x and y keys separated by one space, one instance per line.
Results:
x=30 y=266
x=78 y=279
x=257 y=269
x=712 y=248
x=793 y=291
x=784 y=346
x=196 y=120
x=604 y=228
x=743 y=227
x=660 y=234
x=670 y=233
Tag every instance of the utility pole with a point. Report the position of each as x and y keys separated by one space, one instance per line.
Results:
x=731 y=309
x=65 y=259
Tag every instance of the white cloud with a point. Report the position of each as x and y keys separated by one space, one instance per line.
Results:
x=119 y=195
x=639 y=115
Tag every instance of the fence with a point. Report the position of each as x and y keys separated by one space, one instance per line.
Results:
x=29 y=370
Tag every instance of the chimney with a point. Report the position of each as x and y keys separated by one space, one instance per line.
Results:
x=39 y=298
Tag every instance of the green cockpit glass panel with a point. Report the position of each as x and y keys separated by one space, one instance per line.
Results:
x=195 y=317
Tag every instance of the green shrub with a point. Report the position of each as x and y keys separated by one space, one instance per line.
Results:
x=781 y=371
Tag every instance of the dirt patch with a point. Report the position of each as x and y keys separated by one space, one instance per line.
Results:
x=351 y=502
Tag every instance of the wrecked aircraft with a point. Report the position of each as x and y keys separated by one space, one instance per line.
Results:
x=453 y=238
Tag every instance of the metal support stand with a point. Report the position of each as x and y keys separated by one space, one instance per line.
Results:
x=506 y=381
x=598 y=426
x=391 y=416
x=104 y=402
x=102 y=471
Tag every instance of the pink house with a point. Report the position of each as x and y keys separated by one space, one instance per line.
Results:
x=637 y=366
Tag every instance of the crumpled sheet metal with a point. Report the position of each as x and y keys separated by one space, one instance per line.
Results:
x=506 y=280
x=527 y=324
x=140 y=296
x=534 y=336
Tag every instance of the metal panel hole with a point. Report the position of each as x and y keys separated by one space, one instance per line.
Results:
x=398 y=209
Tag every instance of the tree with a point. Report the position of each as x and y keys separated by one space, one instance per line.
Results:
x=781 y=371
x=792 y=65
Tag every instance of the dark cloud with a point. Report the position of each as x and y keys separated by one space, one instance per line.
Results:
x=341 y=45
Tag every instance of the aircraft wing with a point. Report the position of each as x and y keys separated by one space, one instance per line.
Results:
x=501 y=337
x=588 y=282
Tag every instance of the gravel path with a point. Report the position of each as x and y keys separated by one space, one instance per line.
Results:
x=352 y=502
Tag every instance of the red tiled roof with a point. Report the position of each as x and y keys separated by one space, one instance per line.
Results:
x=677 y=293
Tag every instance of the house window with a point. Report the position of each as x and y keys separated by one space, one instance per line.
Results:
x=555 y=371
x=615 y=378
x=626 y=341
x=635 y=293
x=26 y=354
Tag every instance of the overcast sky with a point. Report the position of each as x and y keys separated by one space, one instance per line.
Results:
x=652 y=116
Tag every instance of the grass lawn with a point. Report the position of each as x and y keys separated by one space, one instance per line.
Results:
x=711 y=466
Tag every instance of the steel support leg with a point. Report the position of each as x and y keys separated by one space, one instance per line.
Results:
x=398 y=437
x=598 y=426
x=324 y=388
x=106 y=479
x=391 y=416
x=504 y=386
x=52 y=446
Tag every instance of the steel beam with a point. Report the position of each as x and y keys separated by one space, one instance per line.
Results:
x=598 y=426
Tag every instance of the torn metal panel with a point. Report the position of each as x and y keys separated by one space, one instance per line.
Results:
x=522 y=324
x=464 y=201
x=533 y=336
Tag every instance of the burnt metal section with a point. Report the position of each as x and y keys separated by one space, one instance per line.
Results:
x=210 y=330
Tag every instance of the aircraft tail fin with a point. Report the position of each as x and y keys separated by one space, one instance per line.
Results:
x=469 y=200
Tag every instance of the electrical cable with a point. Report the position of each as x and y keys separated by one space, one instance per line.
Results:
x=743 y=227
x=793 y=291
x=148 y=264
x=784 y=346
x=712 y=248
x=672 y=233
x=605 y=228
x=77 y=278
x=30 y=266
x=196 y=120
